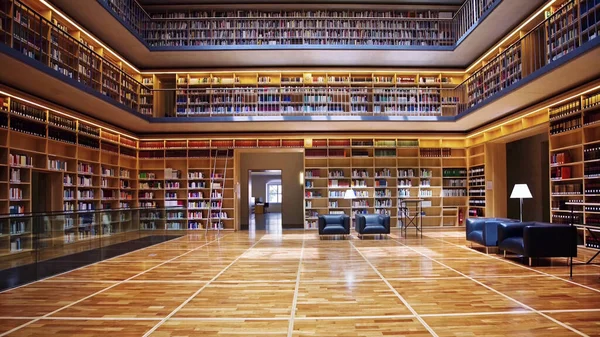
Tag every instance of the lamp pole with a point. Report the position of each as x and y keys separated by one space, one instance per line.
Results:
x=521 y=212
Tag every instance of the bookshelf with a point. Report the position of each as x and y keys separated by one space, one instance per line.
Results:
x=327 y=93
x=44 y=36
x=589 y=16
x=563 y=34
x=179 y=28
x=382 y=172
x=477 y=181
x=574 y=163
x=82 y=163
x=147 y=95
x=191 y=179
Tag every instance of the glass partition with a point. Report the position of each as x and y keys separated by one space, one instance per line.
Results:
x=36 y=246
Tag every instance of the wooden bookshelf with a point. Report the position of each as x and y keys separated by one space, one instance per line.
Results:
x=327 y=93
x=191 y=179
x=82 y=164
x=382 y=172
x=210 y=27
x=47 y=37
x=147 y=95
x=477 y=181
x=589 y=16
x=562 y=29
x=575 y=163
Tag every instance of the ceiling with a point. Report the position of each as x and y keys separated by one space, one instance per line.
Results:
x=219 y=2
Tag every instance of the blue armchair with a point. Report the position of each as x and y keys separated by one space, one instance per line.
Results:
x=538 y=239
x=484 y=231
x=333 y=224
x=372 y=224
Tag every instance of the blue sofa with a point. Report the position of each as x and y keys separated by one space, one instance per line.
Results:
x=372 y=224
x=333 y=224
x=484 y=231
x=537 y=239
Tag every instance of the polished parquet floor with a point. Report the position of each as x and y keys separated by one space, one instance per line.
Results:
x=290 y=283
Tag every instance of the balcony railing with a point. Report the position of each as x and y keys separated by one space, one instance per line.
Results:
x=307 y=27
x=47 y=240
x=43 y=41
x=573 y=26
x=426 y=99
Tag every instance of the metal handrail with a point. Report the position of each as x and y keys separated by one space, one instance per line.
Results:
x=517 y=44
x=79 y=212
x=468 y=8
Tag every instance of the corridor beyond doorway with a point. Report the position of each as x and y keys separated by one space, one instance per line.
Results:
x=265 y=197
x=270 y=222
x=282 y=170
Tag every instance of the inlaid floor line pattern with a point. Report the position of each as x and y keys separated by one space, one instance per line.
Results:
x=296 y=291
x=316 y=280
x=404 y=301
x=88 y=265
x=418 y=247
x=499 y=292
x=189 y=299
x=107 y=288
x=523 y=266
x=241 y=319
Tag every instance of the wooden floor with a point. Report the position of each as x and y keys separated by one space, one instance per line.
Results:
x=291 y=283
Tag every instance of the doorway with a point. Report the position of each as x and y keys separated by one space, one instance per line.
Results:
x=282 y=170
x=265 y=198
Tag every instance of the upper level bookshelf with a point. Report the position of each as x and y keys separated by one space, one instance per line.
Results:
x=299 y=27
x=304 y=25
x=326 y=93
x=42 y=36
x=47 y=38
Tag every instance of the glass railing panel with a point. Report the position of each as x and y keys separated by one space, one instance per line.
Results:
x=37 y=246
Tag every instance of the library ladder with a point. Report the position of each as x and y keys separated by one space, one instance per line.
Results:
x=214 y=178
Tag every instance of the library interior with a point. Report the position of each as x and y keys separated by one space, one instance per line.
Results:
x=260 y=167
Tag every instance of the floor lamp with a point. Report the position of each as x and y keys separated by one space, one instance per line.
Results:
x=521 y=191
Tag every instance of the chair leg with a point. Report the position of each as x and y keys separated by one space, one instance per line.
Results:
x=487 y=250
x=530 y=262
x=505 y=254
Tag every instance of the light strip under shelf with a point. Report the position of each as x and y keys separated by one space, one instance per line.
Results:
x=66 y=114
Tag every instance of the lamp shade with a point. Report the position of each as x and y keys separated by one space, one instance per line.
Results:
x=521 y=191
x=349 y=194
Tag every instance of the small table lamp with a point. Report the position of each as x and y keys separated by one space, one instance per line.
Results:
x=521 y=191
x=349 y=194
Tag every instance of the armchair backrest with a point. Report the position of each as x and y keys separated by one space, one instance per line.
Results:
x=364 y=220
x=333 y=219
x=372 y=219
x=545 y=239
